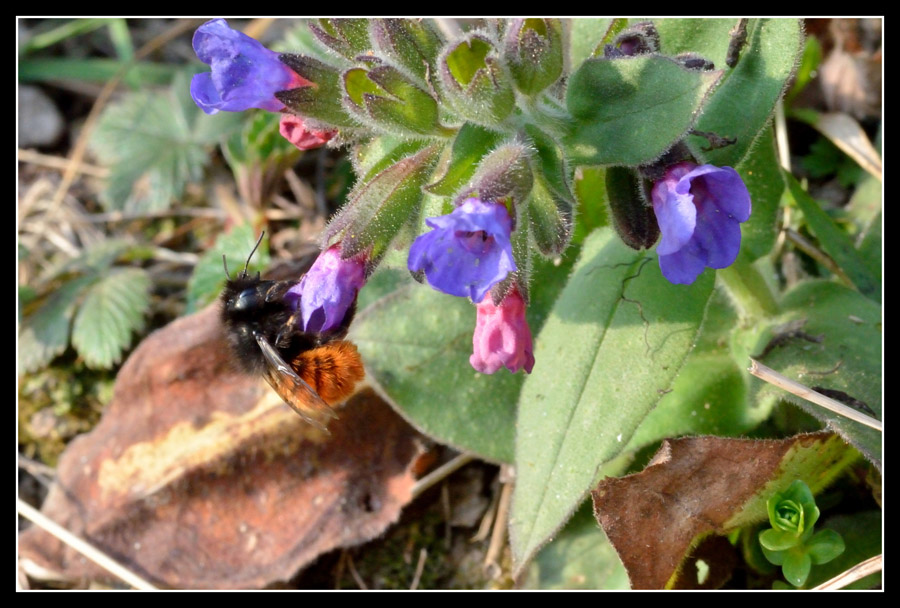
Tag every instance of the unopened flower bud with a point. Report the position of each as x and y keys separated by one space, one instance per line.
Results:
x=639 y=39
x=503 y=175
x=632 y=217
x=534 y=53
x=410 y=42
x=304 y=137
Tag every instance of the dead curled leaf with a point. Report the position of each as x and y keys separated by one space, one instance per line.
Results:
x=696 y=486
x=199 y=476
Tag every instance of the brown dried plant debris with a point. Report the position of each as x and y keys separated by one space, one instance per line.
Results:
x=199 y=476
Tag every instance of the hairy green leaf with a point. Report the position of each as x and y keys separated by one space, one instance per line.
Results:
x=113 y=308
x=154 y=144
x=45 y=333
x=745 y=99
x=837 y=346
x=629 y=111
x=610 y=349
x=416 y=343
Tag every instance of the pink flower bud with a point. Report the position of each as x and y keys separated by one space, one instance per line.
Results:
x=294 y=130
x=502 y=336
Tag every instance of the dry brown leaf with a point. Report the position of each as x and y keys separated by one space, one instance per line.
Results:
x=199 y=476
x=692 y=486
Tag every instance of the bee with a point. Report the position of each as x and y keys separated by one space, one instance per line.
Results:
x=310 y=371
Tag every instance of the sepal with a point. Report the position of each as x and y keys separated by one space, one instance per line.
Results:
x=475 y=81
x=387 y=100
x=534 y=53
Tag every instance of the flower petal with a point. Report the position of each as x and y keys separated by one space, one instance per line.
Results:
x=502 y=337
x=676 y=215
x=467 y=252
x=245 y=74
x=328 y=290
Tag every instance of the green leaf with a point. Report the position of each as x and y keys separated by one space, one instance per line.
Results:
x=834 y=241
x=796 y=567
x=629 y=111
x=824 y=546
x=774 y=557
x=300 y=39
x=73 y=27
x=552 y=161
x=870 y=246
x=760 y=172
x=208 y=279
x=113 y=308
x=93 y=70
x=416 y=343
x=95 y=260
x=580 y=557
x=778 y=540
x=593 y=203
x=610 y=349
x=847 y=358
x=154 y=144
x=709 y=396
x=44 y=334
x=586 y=35
x=321 y=102
x=807 y=70
x=742 y=104
x=381 y=152
x=708 y=38
x=861 y=534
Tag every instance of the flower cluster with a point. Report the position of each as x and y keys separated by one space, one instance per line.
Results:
x=379 y=80
x=466 y=254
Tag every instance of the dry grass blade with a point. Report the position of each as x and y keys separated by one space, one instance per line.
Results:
x=440 y=473
x=772 y=377
x=849 y=136
x=860 y=570
x=89 y=551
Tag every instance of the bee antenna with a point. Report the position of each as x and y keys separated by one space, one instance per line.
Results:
x=225 y=264
x=255 y=247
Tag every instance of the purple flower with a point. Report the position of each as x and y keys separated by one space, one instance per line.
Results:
x=502 y=336
x=328 y=290
x=469 y=250
x=245 y=74
x=699 y=210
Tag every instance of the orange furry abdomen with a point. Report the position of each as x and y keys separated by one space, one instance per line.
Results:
x=332 y=369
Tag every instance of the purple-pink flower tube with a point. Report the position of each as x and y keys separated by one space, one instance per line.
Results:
x=328 y=290
x=502 y=337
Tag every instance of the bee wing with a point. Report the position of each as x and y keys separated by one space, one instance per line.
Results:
x=302 y=398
